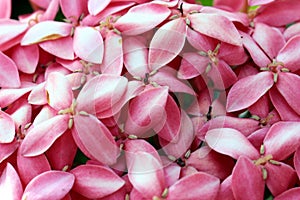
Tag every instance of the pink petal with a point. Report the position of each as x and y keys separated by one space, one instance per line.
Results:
x=42 y=136
x=59 y=91
x=259 y=57
x=6 y=8
x=144 y=170
x=292 y=46
x=46 y=30
x=258 y=2
x=280 y=178
x=202 y=185
x=235 y=5
x=96 y=138
x=51 y=11
x=223 y=29
x=172 y=174
x=62 y=47
x=142 y=18
x=192 y=65
x=73 y=8
x=226 y=50
x=135 y=56
x=200 y=41
x=9 y=76
x=182 y=141
x=225 y=192
x=171 y=128
x=270 y=39
x=289 y=194
x=230 y=142
x=7 y=150
x=163 y=49
x=38 y=95
x=255 y=85
x=62 y=153
x=96 y=7
x=88 y=44
x=289 y=91
x=286 y=13
x=297 y=161
x=292 y=31
x=146 y=110
x=113 y=54
x=247 y=180
x=49 y=185
x=168 y=76
x=93 y=181
x=30 y=167
x=7 y=128
x=206 y=160
x=9 y=95
x=26 y=58
x=282 y=107
x=10 y=184
x=282 y=139
x=101 y=93
x=10 y=29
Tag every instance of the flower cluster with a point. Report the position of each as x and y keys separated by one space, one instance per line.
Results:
x=140 y=100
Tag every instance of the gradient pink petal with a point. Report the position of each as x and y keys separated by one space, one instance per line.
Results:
x=142 y=18
x=230 y=142
x=95 y=6
x=255 y=85
x=289 y=194
x=9 y=76
x=73 y=8
x=163 y=49
x=49 y=185
x=93 y=181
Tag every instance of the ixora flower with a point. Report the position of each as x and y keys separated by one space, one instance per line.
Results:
x=258 y=167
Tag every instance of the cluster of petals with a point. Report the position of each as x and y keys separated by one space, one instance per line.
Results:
x=142 y=99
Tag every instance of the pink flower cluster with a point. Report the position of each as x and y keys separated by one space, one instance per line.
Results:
x=165 y=99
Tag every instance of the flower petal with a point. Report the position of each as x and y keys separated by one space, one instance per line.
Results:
x=230 y=142
x=223 y=29
x=88 y=44
x=247 y=180
x=46 y=30
x=95 y=6
x=282 y=139
x=163 y=49
x=142 y=18
x=96 y=139
x=10 y=184
x=93 y=181
x=49 y=185
x=9 y=76
x=289 y=194
x=73 y=8
x=7 y=128
x=204 y=186
x=26 y=58
x=40 y=137
x=255 y=85
x=289 y=91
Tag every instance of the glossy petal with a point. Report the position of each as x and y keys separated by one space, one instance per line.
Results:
x=292 y=46
x=95 y=182
x=47 y=30
x=204 y=186
x=49 y=185
x=144 y=170
x=146 y=111
x=95 y=6
x=43 y=135
x=256 y=85
x=289 y=194
x=10 y=29
x=223 y=28
x=96 y=138
x=135 y=57
x=113 y=54
x=59 y=91
x=289 y=91
x=247 y=180
x=163 y=49
x=10 y=184
x=30 y=167
x=26 y=58
x=9 y=76
x=270 y=39
x=38 y=95
x=142 y=18
x=88 y=44
x=230 y=142
x=282 y=139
